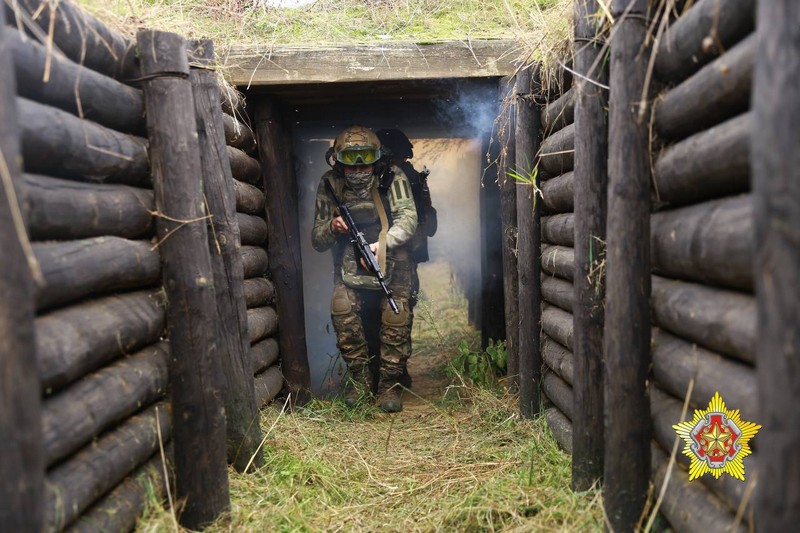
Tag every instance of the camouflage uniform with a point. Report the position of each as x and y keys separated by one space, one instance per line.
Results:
x=355 y=288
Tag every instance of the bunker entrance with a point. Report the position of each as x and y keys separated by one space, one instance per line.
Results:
x=450 y=123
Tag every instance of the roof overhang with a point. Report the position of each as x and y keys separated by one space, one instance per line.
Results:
x=261 y=66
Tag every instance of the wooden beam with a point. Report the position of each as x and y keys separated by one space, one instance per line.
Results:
x=201 y=474
x=626 y=471
x=21 y=450
x=776 y=191
x=367 y=62
x=285 y=263
x=508 y=219
x=242 y=420
x=528 y=131
x=588 y=233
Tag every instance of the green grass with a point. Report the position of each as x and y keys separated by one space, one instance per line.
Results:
x=462 y=460
x=541 y=27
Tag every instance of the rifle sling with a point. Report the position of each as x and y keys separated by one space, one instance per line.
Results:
x=376 y=198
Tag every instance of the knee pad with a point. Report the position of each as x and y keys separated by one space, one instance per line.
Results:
x=388 y=318
x=340 y=302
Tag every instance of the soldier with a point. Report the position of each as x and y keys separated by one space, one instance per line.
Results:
x=388 y=219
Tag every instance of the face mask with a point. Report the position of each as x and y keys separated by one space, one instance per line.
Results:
x=358 y=177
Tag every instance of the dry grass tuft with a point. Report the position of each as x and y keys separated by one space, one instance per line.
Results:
x=462 y=460
x=467 y=463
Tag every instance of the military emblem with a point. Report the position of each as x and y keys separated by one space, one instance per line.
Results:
x=716 y=440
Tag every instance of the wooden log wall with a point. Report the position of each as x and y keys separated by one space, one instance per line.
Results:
x=702 y=246
x=259 y=289
x=704 y=332
x=102 y=366
x=556 y=259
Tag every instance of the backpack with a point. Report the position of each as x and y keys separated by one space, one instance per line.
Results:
x=427 y=221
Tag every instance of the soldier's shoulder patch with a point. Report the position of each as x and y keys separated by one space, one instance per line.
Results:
x=400 y=190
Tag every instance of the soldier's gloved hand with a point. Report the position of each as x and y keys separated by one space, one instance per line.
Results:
x=374 y=248
x=338 y=225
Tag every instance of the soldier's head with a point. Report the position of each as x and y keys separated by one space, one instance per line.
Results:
x=357 y=149
x=397 y=143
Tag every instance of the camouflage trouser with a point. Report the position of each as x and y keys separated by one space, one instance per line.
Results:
x=395 y=330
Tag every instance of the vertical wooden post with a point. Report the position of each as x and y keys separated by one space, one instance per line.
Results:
x=508 y=219
x=492 y=318
x=529 y=241
x=241 y=413
x=285 y=263
x=627 y=324
x=775 y=167
x=591 y=180
x=21 y=452
x=201 y=474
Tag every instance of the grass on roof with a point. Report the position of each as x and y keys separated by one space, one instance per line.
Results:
x=541 y=27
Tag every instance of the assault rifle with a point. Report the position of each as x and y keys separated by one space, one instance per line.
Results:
x=362 y=246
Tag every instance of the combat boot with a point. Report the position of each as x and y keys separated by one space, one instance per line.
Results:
x=357 y=387
x=390 y=394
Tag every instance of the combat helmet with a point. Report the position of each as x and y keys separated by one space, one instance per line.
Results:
x=357 y=145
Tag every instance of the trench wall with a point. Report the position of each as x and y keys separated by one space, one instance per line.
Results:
x=102 y=346
x=701 y=248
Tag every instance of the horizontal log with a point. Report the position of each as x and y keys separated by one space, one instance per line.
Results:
x=558 y=392
x=676 y=362
x=258 y=292
x=560 y=113
x=558 y=193
x=252 y=229
x=561 y=427
x=75 y=415
x=262 y=322
x=725 y=85
x=75 y=89
x=559 y=359
x=238 y=135
x=685 y=46
x=557 y=324
x=559 y=229
x=666 y=412
x=268 y=384
x=120 y=509
x=558 y=292
x=72 y=342
x=255 y=261
x=249 y=198
x=689 y=506
x=60 y=144
x=75 y=269
x=557 y=154
x=263 y=355
x=722 y=321
x=558 y=261
x=710 y=242
x=63 y=209
x=78 y=35
x=710 y=164
x=231 y=100
x=243 y=167
x=75 y=484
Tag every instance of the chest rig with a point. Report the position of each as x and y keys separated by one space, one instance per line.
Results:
x=372 y=216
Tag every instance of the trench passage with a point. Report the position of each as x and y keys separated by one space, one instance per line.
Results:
x=457 y=458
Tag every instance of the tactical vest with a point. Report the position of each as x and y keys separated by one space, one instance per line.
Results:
x=371 y=220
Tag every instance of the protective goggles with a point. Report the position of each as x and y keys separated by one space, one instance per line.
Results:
x=358 y=156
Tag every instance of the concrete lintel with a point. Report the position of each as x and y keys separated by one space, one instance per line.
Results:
x=248 y=66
